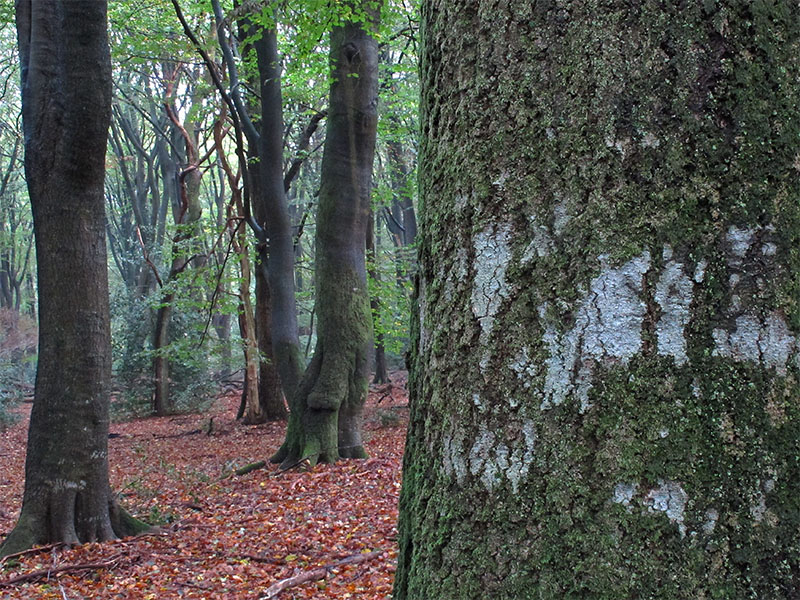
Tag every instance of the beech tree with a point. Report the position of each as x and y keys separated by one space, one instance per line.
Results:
x=325 y=418
x=66 y=104
x=605 y=373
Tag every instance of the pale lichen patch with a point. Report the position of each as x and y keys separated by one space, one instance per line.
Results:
x=624 y=493
x=710 y=522
x=489 y=289
x=700 y=271
x=523 y=368
x=561 y=217
x=490 y=458
x=608 y=327
x=674 y=296
x=453 y=461
x=768 y=342
x=740 y=239
x=671 y=499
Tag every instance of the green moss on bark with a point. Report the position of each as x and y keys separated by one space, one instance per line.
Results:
x=617 y=144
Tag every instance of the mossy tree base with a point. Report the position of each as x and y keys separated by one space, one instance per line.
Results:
x=49 y=520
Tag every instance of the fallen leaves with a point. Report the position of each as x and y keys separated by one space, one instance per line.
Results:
x=234 y=538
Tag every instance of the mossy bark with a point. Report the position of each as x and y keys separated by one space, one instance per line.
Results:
x=605 y=376
x=325 y=418
x=66 y=112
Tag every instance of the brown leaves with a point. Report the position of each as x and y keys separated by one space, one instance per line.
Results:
x=225 y=538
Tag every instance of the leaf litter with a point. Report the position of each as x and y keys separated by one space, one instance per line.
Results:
x=329 y=532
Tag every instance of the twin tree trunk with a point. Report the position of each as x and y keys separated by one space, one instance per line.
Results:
x=605 y=375
x=325 y=420
x=66 y=100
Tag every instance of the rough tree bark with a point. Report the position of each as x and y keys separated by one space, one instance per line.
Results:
x=605 y=375
x=66 y=99
x=325 y=419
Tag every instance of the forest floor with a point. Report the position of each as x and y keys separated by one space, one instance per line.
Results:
x=225 y=536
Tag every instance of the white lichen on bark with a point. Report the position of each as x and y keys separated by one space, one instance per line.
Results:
x=489 y=287
x=674 y=296
x=624 y=493
x=768 y=342
x=761 y=338
x=608 y=327
x=740 y=239
x=490 y=458
x=710 y=523
x=524 y=368
x=670 y=498
x=561 y=217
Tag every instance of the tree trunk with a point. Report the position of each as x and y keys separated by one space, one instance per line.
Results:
x=325 y=419
x=253 y=413
x=381 y=372
x=186 y=219
x=605 y=374
x=270 y=393
x=66 y=95
x=277 y=251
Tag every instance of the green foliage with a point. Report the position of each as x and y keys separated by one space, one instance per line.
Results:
x=195 y=351
x=392 y=288
x=17 y=362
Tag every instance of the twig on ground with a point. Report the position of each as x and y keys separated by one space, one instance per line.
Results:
x=194 y=585
x=317 y=574
x=35 y=550
x=39 y=574
x=256 y=558
x=177 y=435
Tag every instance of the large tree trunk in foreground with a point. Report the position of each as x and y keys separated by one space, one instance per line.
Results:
x=325 y=418
x=66 y=98
x=605 y=378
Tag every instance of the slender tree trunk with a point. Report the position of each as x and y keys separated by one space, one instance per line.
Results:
x=325 y=420
x=276 y=256
x=66 y=97
x=270 y=392
x=605 y=373
x=253 y=413
x=186 y=219
x=381 y=372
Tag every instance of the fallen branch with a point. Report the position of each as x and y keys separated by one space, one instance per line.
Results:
x=317 y=574
x=194 y=585
x=35 y=550
x=42 y=573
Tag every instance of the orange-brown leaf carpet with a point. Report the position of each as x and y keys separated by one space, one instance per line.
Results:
x=225 y=537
